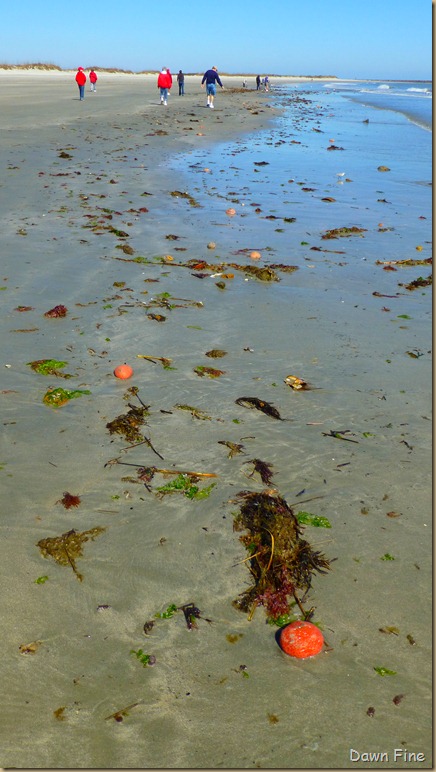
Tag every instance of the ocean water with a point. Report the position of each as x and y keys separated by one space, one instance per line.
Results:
x=410 y=98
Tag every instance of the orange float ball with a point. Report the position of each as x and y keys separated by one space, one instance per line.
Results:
x=255 y=255
x=123 y=372
x=301 y=639
x=231 y=212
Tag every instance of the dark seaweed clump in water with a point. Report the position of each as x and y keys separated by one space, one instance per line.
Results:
x=281 y=563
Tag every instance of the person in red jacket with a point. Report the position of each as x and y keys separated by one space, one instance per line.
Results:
x=164 y=83
x=81 y=80
x=171 y=80
x=93 y=80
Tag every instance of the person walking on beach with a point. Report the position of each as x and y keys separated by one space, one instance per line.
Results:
x=81 y=80
x=266 y=82
x=257 y=82
x=93 y=80
x=164 y=82
x=181 y=82
x=211 y=77
x=171 y=80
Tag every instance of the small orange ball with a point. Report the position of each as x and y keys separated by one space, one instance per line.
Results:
x=255 y=255
x=301 y=639
x=231 y=212
x=123 y=372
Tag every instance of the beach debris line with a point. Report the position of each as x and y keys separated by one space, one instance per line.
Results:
x=183 y=194
x=68 y=547
x=281 y=563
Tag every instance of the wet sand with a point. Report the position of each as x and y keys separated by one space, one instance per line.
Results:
x=76 y=176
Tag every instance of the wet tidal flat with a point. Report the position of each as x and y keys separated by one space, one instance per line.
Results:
x=225 y=275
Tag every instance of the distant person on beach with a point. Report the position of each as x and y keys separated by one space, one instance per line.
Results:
x=93 y=80
x=211 y=77
x=181 y=82
x=266 y=83
x=81 y=80
x=258 y=83
x=164 y=82
x=244 y=83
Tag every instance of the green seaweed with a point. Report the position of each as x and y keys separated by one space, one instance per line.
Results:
x=306 y=518
x=58 y=397
x=384 y=671
x=170 y=611
x=49 y=367
x=185 y=484
x=145 y=659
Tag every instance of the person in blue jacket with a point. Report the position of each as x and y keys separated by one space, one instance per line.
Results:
x=211 y=78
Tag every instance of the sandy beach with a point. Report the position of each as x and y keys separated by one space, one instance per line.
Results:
x=118 y=209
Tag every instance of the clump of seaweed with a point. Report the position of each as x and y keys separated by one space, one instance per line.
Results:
x=419 y=282
x=337 y=233
x=281 y=563
x=65 y=549
x=69 y=500
x=49 y=367
x=263 y=274
x=58 y=397
x=58 y=312
x=127 y=424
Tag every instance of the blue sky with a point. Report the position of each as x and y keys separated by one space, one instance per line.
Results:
x=382 y=39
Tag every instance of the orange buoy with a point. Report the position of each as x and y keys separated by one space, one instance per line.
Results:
x=255 y=255
x=301 y=639
x=231 y=212
x=123 y=372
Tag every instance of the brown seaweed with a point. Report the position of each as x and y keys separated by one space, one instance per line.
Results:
x=259 y=404
x=337 y=233
x=263 y=469
x=57 y=312
x=234 y=447
x=65 y=549
x=69 y=500
x=281 y=563
x=128 y=423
